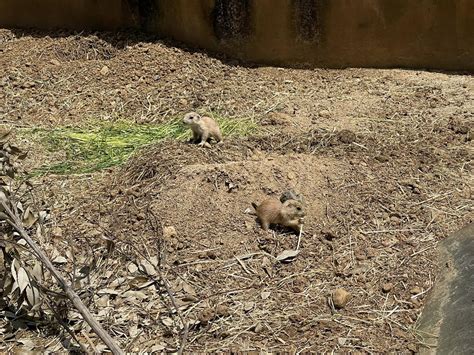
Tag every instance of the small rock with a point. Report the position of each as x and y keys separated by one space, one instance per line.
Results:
x=248 y=306
x=387 y=287
x=57 y=232
x=248 y=225
x=169 y=232
x=324 y=113
x=55 y=62
x=415 y=290
x=291 y=175
x=258 y=328
x=341 y=341
x=105 y=70
x=389 y=242
x=340 y=297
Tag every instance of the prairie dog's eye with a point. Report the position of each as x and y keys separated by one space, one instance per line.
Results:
x=298 y=208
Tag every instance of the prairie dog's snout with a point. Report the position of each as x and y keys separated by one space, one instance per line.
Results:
x=204 y=128
x=290 y=213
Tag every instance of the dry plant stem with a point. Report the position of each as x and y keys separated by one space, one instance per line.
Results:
x=83 y=310
x=299 y=238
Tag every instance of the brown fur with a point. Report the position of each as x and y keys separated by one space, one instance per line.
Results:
x=204 y=128
x=288 y=214
x=291 y=195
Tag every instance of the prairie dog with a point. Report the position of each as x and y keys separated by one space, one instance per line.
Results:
x=289 y=213
x=291 y=195
x=204 y=128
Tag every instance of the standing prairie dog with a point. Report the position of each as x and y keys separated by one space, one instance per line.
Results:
x=289 y=213
x=204 y=128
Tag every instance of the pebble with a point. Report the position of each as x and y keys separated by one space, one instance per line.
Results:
x=324 y=113
x=105 y=70
x=340 y=297
x=387 y=287
x=169 y=232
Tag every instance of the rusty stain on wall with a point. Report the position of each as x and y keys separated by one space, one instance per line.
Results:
x=232 y=19
x=308 y=19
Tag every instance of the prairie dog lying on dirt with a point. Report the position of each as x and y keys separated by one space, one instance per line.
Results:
x=289 y=213
x=291 y=195
x=204 y=128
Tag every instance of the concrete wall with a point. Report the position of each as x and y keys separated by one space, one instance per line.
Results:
x=435 y=34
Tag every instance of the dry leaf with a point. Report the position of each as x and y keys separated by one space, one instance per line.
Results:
x=189 y=289
x=37 y=272
x=145 y=285
x=154 y=260
x=29 y=218
x=135 y=294
x=28 y=343
x=59 y=260
x=103 y=301
x=23 y=279
x=287 y=255
x=157 y=348
x=148 y=268
x=132 y=268
x=14 y=269
x=108 y=291
x=133 y=331
x=4 y=133
x=167 y=321
x=33 y=296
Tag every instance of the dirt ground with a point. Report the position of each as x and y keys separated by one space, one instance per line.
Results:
x=383 y=159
